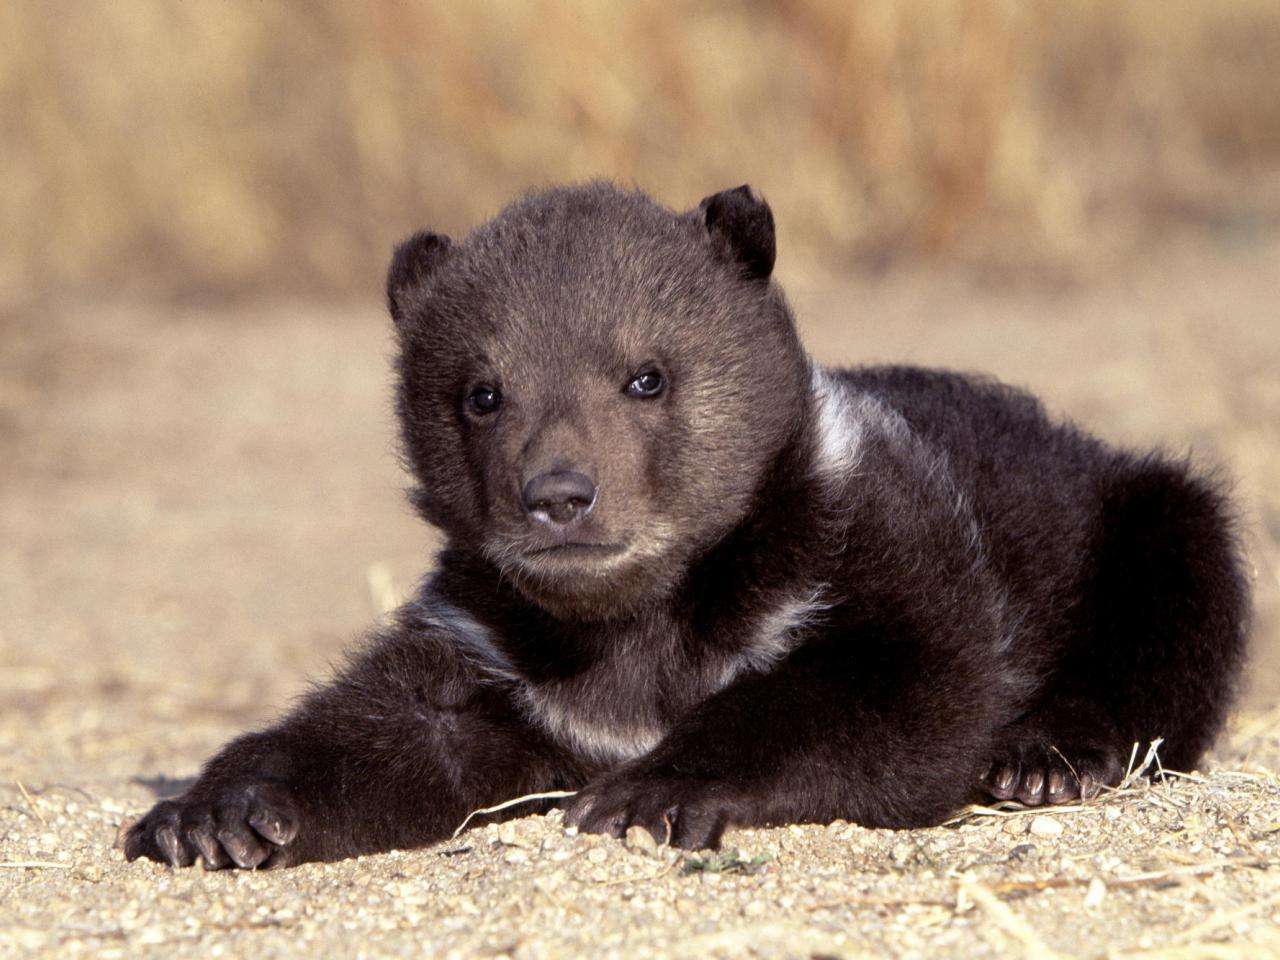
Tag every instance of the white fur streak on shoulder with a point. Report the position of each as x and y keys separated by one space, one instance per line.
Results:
x=839 y=426
x=472 y=639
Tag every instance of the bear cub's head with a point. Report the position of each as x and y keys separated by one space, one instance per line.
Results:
x=593 y=388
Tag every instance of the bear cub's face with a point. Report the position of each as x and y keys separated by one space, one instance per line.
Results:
x=592 y=387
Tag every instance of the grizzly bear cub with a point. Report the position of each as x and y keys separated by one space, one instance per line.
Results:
x=707 y=583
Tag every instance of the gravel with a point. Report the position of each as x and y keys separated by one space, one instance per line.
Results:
x=1191 y=862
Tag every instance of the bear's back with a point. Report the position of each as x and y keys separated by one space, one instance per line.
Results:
x=1033 y=483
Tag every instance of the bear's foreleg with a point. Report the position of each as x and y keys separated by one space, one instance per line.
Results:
x=394 y=753
x=879 y=731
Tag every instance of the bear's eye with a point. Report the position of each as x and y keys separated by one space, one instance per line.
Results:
x=484 y=399
x=646 y=384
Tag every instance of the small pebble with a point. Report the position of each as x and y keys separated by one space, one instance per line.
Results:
x=1094 y=895
x=902 y=852
x=641 y=840
x=1045 y=827
x=517 y=833
x=1024 y=851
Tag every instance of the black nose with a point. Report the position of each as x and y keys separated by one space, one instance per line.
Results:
x=559 y=496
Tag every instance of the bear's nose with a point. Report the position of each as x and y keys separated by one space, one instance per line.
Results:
x=559 y=496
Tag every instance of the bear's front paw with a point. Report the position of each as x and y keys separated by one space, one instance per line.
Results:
x=244 y=825
x=692 y=814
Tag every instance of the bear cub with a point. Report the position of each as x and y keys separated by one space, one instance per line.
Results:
x=706 y=582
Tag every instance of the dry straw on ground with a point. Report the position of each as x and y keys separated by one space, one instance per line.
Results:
x=1186 y=868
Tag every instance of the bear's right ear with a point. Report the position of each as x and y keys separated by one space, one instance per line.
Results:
x=413 y=263
x=743 y=224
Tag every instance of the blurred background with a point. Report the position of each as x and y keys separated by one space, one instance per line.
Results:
x=199 y=492
x=234 y=148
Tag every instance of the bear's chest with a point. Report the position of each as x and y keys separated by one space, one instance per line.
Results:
x=626 y=699
x=646 y=677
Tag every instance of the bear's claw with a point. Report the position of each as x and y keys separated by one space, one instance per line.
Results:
x=691 y=815
x=245 y=825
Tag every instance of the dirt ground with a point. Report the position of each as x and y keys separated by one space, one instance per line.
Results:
x=199 y=506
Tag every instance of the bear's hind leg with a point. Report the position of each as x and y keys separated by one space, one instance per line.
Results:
x=1168 y=611
x=1159 y=646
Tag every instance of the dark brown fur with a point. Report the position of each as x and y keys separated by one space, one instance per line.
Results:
x=759 y=593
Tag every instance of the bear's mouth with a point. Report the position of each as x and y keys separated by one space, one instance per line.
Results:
x=572 y=558
x=575 y=548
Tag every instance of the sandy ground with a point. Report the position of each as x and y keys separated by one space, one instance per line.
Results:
x=200 y=506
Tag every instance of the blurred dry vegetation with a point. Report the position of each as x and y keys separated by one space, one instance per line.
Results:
x=227 y=148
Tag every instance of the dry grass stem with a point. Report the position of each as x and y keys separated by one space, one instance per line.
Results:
x=1226 y=918
x=1013 y=888
x=1004 y=918
x=31 y=803
x=527 y=798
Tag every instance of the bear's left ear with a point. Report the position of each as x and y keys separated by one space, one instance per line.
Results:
x=743 y=224
x=413 y=263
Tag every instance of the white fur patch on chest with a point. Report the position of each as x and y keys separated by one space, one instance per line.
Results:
x=601 y=738
x=616 y=718
x=591 y=720
x=613 y=716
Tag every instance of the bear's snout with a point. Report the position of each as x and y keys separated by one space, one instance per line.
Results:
x=559 y=497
